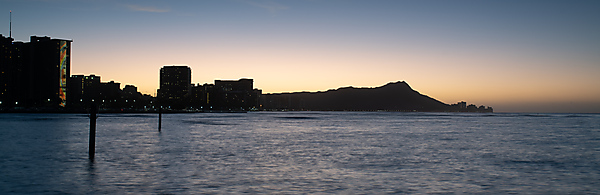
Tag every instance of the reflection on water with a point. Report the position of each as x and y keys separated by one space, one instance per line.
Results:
x=301 y=152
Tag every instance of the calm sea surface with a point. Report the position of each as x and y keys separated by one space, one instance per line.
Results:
x=302 y=152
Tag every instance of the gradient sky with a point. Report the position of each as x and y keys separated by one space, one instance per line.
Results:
x=516 y=56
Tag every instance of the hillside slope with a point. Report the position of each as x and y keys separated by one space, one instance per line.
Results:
x=397 y=96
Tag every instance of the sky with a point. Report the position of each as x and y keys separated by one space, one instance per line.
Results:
x=515 y=56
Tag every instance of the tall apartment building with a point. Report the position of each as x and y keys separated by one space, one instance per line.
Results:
x=175 y=85
x=10 y=70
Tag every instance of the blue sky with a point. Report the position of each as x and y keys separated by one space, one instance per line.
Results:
x=517 y=56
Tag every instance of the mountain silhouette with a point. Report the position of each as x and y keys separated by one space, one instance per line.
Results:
x=395 y=96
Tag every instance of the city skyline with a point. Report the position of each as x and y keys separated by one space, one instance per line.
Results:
x=534 y=56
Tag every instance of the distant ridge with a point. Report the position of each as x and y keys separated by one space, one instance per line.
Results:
x=394 y=96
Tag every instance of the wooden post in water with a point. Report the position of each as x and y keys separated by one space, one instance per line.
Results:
x=92 y=147
x=159 y=118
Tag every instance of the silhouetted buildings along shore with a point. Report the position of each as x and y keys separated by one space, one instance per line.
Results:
x=34 y=74
x=35 y=77
x=177 y=92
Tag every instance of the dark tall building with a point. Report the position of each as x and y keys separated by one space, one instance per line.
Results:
x=175 y=86
x=38 y=72
x=49 y=65
x=10 y=72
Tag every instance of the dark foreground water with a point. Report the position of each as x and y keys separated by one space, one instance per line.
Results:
x=302 y=152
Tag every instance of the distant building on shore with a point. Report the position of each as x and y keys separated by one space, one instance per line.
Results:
x=228 y=95
x=462 y=107
x=177 y=92
x=175 y=85
x=236 y=95
x=85 y=91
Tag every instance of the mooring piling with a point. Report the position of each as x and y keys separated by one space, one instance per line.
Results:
x=159 y=118
x=93 y=117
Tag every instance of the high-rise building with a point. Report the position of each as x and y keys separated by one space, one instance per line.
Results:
x=175 y=85
x=38 y=72
x=9 y=72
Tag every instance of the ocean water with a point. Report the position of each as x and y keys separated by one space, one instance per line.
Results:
x=302 y=153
